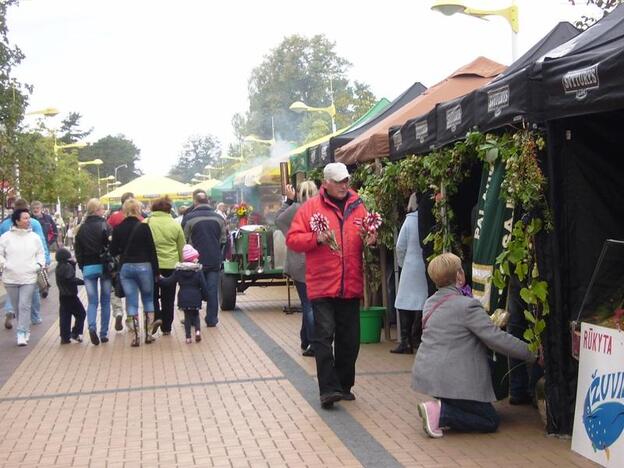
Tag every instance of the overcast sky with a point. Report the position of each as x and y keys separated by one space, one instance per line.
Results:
x=161 y=71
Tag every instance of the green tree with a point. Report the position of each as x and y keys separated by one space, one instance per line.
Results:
x=197 y=153
x=114 y=151
x=44 y=176
x=70 y=130
x=302 y=69
x=13 y=99
x=605 y=5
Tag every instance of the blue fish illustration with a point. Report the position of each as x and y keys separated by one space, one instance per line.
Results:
x=605 y=422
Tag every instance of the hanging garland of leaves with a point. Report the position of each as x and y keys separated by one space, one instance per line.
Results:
x=523 y=185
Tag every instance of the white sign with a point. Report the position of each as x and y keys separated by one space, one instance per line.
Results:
x=599 y=416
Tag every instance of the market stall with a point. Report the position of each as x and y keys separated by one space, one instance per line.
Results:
x=149 y=187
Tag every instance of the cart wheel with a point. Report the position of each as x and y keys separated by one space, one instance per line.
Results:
x=228 y=292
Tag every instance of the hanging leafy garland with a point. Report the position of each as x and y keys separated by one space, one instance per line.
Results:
x=523 y=185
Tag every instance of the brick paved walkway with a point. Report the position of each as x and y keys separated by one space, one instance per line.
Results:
x=242 y=397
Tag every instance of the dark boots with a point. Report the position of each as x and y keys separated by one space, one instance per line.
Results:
x=135 y=332
x=411 y=331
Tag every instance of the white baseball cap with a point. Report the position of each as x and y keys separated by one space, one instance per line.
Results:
x=336 y=172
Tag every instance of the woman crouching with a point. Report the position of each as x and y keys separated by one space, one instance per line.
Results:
x=452 y=363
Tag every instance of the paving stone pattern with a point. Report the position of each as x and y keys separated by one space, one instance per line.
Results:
x=243 y=397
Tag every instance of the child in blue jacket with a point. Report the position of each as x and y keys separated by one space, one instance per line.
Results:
x=193 y=288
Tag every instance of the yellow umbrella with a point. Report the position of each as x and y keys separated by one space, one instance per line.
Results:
x=149 y=187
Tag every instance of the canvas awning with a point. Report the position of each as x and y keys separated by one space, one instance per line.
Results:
x=374 y=143
x=206 y=185
x=149 y=187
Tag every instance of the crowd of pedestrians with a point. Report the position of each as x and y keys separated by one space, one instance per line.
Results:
x=144 y=257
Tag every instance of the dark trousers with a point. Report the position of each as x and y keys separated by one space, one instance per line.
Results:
x=191 y=319
x=336 y=321
x=411 y=327
x=70 y=306
x=468 y=416
x=164 y=301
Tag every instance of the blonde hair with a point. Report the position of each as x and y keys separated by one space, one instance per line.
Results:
x=93 y=205
x=131 y=207
x=443 y=269
x=307 y=190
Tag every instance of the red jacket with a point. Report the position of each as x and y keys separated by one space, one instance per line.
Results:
x=330 y=274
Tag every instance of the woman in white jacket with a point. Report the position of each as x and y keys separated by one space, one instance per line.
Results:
x=21 y=257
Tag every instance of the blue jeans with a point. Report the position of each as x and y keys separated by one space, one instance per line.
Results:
x=137 y=278
x=212 y=304
x=22 y=295
x=35 y=307
x=468 y=416
x=307 y=319
x=91 y=285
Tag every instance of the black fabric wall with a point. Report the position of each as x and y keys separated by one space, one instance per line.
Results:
x=585 y=169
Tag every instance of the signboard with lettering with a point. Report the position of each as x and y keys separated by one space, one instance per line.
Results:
x=599 y=413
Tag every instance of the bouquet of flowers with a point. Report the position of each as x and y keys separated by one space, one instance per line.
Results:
x=369 y=225
x=243 y=210
x=320 y=223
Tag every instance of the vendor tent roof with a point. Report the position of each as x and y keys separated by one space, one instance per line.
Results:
x=300 y=161
x=584 y=75
x=511 y=96
x=206 y=184
x=373 y=143
x=148 y=187
x=324 y=154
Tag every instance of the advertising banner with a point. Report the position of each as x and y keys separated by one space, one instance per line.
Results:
x=599 y=413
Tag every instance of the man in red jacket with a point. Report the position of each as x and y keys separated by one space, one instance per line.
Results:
x=333 y=279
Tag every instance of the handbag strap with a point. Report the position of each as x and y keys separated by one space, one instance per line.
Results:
x=434 y=308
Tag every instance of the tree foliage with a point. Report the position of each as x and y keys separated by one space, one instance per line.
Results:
x=114 y=151
x=605 y=5
x=302 y=69
x=13 y=99
x=70 y=130
x=197 y=153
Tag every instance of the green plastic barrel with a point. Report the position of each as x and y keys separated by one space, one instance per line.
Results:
x=370 y=324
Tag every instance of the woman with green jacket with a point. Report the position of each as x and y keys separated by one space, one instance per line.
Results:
x=169 y=240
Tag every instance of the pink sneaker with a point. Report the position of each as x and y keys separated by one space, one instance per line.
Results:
x=430 y=414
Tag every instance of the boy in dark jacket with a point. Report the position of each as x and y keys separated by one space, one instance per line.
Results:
x=193 y=289
x=69 y=304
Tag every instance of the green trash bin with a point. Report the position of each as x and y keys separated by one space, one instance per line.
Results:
x=370 y=324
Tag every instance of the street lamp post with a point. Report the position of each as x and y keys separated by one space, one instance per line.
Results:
x=106 y=179
x=95 y=162
x=510 y=13
x=57 y=148
x=119 y=167
x=299 y=107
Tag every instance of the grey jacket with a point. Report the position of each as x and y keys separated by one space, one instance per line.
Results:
x=413 y=291
x=451 y=361
x=295 y=261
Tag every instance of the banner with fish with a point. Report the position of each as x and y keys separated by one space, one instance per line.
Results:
x=598 y=432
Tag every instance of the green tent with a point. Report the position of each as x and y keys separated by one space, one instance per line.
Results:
x=299 y=161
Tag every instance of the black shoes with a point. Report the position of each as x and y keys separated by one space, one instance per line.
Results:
x=309 y=352
x=348 y=396
x=119 y=323
x=65 y=341
x=402 y=348
x=94 y=337
x=328 y=399
x=77 y=338
x=104 y=339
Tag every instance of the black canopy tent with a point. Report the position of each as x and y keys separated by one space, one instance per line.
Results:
x=321 y=155
x=583 y=104
x=416 y=136
x=511 y=96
